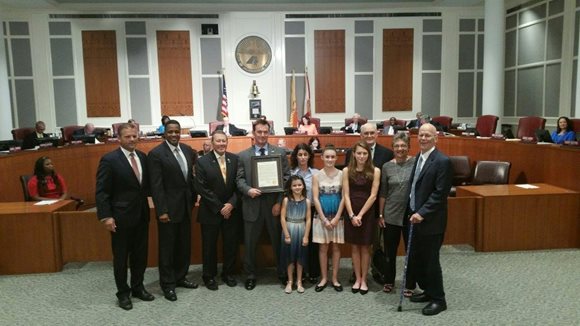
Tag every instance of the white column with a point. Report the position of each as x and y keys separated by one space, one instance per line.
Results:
x=494 y=58
x=5 y=108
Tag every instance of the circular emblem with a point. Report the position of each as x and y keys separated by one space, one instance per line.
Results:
x=253 y=54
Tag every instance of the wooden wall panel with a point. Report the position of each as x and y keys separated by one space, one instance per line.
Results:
x=397 y=69
x=174 y=62
x=329 y=56
x=101 y=73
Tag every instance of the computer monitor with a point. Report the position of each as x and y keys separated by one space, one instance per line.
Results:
x=5 y=145
x=198 y=133
x=240 y=132
x=325 y=130
x=86 y=139
x=290 y=130
x=542 y=135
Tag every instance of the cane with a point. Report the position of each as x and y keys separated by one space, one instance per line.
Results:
x=400 y=308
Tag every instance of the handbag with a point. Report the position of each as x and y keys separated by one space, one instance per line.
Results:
x=379 y=261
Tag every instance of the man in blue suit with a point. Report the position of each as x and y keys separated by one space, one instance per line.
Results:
x=430 y=186
x=121 y=195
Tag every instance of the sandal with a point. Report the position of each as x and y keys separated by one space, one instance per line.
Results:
x=288 y=288
x=408 y=293
x=388 y=288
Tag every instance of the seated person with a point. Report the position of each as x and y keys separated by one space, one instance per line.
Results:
x=282 y=144
x=392 y=127
x=564 y=131
x=416 y=123
x=314 y=144
x=230 y=129
x=354 y=127
x=263 y=117
x=31 y=140
x=425 y=118
x=206 y=147
x=46 y=183
x=305 y=127
x=131 y=121
x=89 y=129
x=164 y=120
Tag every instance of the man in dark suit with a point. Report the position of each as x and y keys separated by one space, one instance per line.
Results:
x=31 y=140
x=206 y=147
x=89 y=129
x=430 y=186
x=417 y=122
x=215 y=182
x=259 y=208
x=171 y=173
x=121 y=194
x=230 y=129
x=381 y=155
x=354 y=126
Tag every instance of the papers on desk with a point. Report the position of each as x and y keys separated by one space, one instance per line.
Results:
x=46 y=202
x=527 y=186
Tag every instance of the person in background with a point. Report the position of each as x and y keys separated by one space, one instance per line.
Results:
x=360 y=183
x=161 y=128
x=46 y=184
x=89 y=129
x=392 y=207
x=392 y=127
x=31 y=140
x=306 y=127
x=314 y=143
x=282 y=144
x=416 y=123
x=354 y=126
x=206 y=147
x=229 y=128
x=564 y=131
x=302 y=164
x=327 y=224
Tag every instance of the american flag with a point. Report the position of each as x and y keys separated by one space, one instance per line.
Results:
x=224 y=97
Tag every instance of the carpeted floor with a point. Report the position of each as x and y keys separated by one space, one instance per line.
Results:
x=512 y=288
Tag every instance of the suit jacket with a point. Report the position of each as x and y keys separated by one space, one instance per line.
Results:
x=118 y=191
x=172 y=193
x=31 y=140
x=251 y=206
x=413 y=124
x=209 y=184
x=431 y=192
x=349 y=128
x=382 y=156
x=234 y=131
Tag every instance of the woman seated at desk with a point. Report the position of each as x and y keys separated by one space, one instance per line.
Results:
x=564 y=131
x=46 y=184
x=306 y=127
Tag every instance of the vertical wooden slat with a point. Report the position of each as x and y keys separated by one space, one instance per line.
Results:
x=174 y=61
x=397 y=70
x=101 y=74
x=330 y=66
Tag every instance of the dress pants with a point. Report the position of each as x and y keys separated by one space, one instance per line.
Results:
x=252 y=232
x=209 y=237
x=174 y=252
x=130 y=250
x=392 y=237
x=426 y=266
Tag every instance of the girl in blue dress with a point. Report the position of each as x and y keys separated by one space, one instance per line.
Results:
x=295 y=220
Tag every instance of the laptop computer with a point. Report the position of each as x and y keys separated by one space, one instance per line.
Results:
x=325 y=130
x=289 y=130
x=542 y=135
x=86 y=139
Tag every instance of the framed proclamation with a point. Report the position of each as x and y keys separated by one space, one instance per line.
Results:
x=267 y=173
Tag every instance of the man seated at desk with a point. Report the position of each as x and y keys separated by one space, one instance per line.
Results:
x=89 y=129
x=31 y=140
x=230 y=129
x=392 y=128
x=354 y=126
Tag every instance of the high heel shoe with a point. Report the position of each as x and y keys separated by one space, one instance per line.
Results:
x=354 y=290
x=363 y=292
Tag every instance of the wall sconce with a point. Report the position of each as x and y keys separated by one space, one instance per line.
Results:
x=255 y=91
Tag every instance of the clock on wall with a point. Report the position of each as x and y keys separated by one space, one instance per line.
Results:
x=253 y=54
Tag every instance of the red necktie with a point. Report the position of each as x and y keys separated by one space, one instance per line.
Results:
x=135 y=166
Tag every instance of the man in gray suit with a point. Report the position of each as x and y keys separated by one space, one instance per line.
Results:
x=259 y=208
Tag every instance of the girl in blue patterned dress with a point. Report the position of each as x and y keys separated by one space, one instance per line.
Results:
x=295 y=220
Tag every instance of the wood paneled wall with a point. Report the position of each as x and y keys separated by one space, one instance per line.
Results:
x=397 y=70
x=174 y=62
x=329 y=53
x=101 y=74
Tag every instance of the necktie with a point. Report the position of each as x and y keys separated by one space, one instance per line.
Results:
x=415 y=177
x=373 y=153
x=135 y=166
x=222 y=162
x=181 y=163
x=262 y=151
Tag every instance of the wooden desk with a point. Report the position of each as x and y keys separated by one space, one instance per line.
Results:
x=30 y=237
x=513 y=218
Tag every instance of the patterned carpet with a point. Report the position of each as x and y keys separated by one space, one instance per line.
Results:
x=512 y=288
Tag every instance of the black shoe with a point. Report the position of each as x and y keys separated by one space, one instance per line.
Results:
x=363 y=292
x=337 y=288
x=354 y=290
x=434 y=307
x=319 y=288
x=210 y=283
x=229 y=281
x=185 y=283
x=250 y=284
x=125 y=303
x=352 y=278
x=170 y=295
x=143 y=295
x=421 y=297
